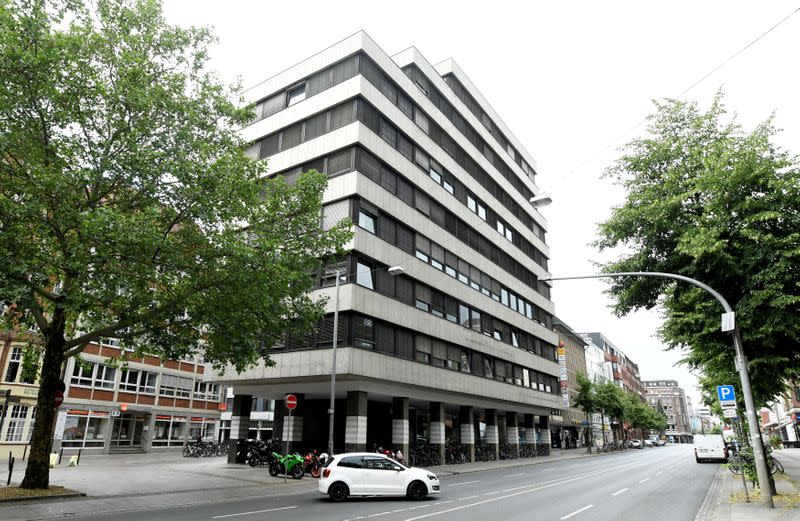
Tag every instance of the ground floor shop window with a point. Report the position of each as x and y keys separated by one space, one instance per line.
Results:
x=169 y=431
x=85 y=429
x=224 y=430
x=202 y=428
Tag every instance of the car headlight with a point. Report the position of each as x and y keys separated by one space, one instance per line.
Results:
x=431 y=477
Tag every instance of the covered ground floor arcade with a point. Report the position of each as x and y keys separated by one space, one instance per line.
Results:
x=368 y=415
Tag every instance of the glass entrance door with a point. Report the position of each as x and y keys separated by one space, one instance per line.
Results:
x=127 y=431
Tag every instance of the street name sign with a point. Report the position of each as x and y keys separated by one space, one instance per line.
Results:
x=729 y=413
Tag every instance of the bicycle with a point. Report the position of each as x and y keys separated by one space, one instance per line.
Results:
x=735 y=463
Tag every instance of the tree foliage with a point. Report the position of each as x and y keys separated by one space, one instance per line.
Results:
x=709 y=201
x=128 y=207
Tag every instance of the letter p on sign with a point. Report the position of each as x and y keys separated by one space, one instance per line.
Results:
x=725 y=394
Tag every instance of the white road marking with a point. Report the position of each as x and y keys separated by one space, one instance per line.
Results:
x=618 y=492
x=465 y=498
x=254 y=512
x=444 y=502
x=514 y=475
x=380 y=514
x=492 y=493
x=529 y=488
x=645 y=479
x=463 y=483
x=659 y=472
x=587 y=507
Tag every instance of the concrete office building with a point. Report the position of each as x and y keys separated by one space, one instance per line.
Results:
x=598 y=370
x=458 y=347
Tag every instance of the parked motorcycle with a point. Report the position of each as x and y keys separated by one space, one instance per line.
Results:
x=259 y=453
x=291 y=463
x=312 y=464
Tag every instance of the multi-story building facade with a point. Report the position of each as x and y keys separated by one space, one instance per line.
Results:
x=672 y=400
x=781 y=418
x=147 y=405
x=598 y=370
x=625 y=371
x=460 y=345
x=703 y=420
x=575 y=423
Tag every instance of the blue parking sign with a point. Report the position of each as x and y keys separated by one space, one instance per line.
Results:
x=726 y=394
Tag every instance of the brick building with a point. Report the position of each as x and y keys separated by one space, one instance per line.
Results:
x=151 y=405
x=574 y=423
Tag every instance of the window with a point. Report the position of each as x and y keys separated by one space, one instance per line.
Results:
x=472 y=204
x=364 y=275
x=450 y=271
x=183 y=387
x=475 y=323
x=422 y=297
x=423 y=349
x=105 y=377
x=16 y=422
x=296 y=95
x=514 y=338
x=84 y=430
x=366 y=221
x=364 y=333
x=463 y=315
x=447 y=186
x=498 y=335
x=168 y=430
x=509 y=235
x=168 y=385
x=438 y=353
x=482 y=212
x=13 y=364
x=129 y=380
x=82 y=374
x=147 y=382
x=504 y=296
x=500 y=228
x=423 y=247
x=352 y=462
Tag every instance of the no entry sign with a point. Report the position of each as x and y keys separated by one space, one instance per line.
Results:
x=291 y=401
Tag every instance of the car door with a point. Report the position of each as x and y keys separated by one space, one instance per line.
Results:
x=380 y=476
x=351 y=470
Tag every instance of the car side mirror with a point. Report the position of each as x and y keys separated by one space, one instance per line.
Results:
x=398 y=468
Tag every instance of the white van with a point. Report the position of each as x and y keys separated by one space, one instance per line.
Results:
x=710 y=447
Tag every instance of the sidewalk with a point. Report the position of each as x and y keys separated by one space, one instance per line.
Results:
x=725 y=500
x=153 y=481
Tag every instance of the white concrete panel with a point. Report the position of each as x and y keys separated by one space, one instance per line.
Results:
x=292 y=428
x=467 y=434
x=399 y=431
x=491 y=434
x=512 y=435
x=355 y=429
x=437 y=433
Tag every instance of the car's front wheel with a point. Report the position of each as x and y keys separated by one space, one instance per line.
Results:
x=338 y=491
x=417 y=490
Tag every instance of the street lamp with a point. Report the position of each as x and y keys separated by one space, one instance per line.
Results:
x=393 y=271
x=540 y=200
x=728 y=324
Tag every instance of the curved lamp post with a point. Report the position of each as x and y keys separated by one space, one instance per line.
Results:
x=740 y=362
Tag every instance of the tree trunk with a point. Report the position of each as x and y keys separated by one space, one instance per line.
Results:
x=37 y=473
x=603 y=429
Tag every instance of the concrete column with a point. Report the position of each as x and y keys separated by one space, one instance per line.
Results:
x=437 y=428
x=355 y=433
x=530 y=429
x=512 y=431
x=466 y=421
x=544 y=431
x=400 y=425
x=240 y=423
x=492 y=437
x=292 y=424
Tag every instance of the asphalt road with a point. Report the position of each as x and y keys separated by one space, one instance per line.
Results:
x=663 y=483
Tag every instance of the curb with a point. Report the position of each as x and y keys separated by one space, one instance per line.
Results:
x=41 y=499
x=527 y=462
x=709 y=508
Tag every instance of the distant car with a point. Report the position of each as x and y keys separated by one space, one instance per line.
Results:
x=649 y=443
x=370 y=474
x=660 y=443
x=710 y=447
x=635 y=444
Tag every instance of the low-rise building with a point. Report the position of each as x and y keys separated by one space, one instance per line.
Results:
x=571 y=432
x=143 y=405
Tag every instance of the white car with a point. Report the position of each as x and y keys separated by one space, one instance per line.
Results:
x=710 y=447
x=370 y=474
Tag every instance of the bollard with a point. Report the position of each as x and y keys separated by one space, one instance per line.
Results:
x=10 y=468
x=60 y=454
x=73 y=461
x=53 y=459
x=79 y=456
x=25 y=453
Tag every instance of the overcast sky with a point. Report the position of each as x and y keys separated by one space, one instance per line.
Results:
x=571 y=79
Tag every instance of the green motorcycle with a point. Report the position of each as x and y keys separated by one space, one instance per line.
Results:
x=292 y=463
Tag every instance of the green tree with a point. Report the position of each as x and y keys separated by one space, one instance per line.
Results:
x=609 y=399
x=128 y=207
x=636 y=413
x=586 y=400
x=709 y=201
